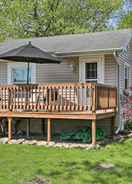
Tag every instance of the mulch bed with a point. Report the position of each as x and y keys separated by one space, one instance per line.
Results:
x=38 y=180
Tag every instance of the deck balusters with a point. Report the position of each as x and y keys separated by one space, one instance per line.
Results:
x=66 y=97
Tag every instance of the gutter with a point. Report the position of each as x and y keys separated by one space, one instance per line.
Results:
x=80 y=53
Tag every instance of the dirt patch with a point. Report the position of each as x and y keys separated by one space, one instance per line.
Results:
x=105 y=167
x=38 y=180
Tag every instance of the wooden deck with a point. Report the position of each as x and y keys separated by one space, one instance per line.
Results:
x=86 y=101
x=63 y=115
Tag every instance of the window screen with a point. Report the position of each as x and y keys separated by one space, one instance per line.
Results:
x=19 y=75
x=91 y=71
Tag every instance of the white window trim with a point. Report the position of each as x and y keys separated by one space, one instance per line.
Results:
x=92 y=59
x=12 y=65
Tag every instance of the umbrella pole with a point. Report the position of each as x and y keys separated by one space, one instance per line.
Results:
x=28 y=121
x=28 y=70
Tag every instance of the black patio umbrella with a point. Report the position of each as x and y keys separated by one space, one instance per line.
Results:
x=30 y=54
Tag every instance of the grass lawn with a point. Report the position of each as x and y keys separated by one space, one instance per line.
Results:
x=20 y=163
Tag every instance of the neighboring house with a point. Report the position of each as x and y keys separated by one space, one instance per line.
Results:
x=102 y=57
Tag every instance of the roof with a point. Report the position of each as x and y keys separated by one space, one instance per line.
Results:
x=76 y=43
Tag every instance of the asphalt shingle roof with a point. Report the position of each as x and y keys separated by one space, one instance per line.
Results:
x=76 y=43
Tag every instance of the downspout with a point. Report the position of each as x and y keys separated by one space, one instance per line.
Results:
x=120 y=125
x=118 y=92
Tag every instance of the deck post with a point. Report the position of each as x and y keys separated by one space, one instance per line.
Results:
x=94 y=132
x=9 y=129
x=49 y=131
x=94 y=98
x=28 y=128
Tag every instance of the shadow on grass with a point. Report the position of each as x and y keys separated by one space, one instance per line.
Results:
x=55 y=173
x=40 y=172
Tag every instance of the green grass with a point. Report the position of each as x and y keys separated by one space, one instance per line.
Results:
x=20 y=163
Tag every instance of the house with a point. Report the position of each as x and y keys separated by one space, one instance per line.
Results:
x=94 y=67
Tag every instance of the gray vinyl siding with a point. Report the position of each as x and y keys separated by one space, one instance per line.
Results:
x=3 y=73
x=68 y=71
x=125 y=58
x=110 y=70
x=130 y=60
x=121 y=71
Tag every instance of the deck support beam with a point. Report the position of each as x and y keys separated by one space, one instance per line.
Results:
x=94 y=132
x=9 y=129
x=49 y=130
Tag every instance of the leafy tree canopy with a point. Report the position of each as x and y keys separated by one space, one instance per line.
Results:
x=126 y=18
x=33 y=18
x=126 y=22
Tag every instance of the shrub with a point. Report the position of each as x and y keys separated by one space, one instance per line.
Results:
x=126 y=102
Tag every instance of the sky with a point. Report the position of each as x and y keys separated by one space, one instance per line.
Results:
x=115 y=19
x=128 y=5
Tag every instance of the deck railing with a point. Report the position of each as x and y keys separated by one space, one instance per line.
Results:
x=63 y=97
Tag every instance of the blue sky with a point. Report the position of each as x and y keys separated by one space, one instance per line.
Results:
x=115 y=19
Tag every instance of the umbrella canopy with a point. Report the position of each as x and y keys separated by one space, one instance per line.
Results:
x=29 y=53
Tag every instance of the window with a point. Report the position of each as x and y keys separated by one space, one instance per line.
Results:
x=91 y=72
x=19 y=75
x=126 y=73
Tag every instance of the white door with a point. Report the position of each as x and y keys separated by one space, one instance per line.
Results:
x=91 y=69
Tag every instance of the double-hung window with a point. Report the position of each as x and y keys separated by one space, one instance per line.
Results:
x=91 y=72
x=19 y=75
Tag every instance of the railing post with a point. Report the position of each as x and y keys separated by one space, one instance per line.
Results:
x=9 y=99
x=94 y=96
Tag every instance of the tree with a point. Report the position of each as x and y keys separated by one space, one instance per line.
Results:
x=126 y=110
x=126 y=19
x=33 y=18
